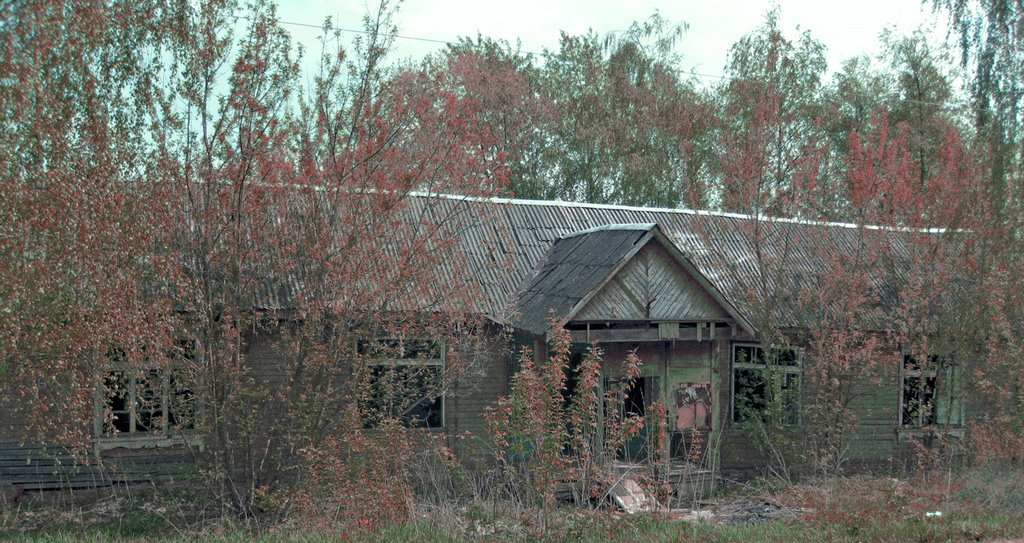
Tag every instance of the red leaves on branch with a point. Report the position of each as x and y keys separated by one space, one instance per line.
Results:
x=884 y=178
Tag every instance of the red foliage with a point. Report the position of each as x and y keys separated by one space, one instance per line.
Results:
x=547 y=440
x=883 y=178
x=355 y=482
x=151 y=197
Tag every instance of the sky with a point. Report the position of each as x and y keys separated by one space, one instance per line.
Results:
x=846 y=27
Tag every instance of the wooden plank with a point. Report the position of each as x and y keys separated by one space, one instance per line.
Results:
x=43 y=471
x=96 y=477
x=48 y=467
x=652 y=278
x=686 y=333
x=616 y=336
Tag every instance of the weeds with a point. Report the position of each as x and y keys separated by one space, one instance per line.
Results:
x=864 y=509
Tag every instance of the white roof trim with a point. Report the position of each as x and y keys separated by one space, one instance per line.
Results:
x=681 y=211
x=643 y=226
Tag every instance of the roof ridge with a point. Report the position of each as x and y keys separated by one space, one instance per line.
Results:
x=642 y=226
x=680 y=211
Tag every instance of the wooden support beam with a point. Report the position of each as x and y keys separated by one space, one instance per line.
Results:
x=663 y=331
x=668 y=330
x=616 y=336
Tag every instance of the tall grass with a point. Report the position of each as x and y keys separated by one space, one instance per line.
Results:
x=595 y=529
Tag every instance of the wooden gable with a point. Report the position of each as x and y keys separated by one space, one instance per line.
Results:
x=652 y=286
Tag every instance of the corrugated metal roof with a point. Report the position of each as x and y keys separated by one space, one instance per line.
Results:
x=740 y=255
x=575 y=265
x=501 y=244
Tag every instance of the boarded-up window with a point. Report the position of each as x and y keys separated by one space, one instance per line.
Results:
x=765 y=384
x=405 y=382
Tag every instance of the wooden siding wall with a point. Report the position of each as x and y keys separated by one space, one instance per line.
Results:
x=27 y=465
x=32 y=462
x=13 y=424
x=266 y=363
x=486 y=379
x=652 y=286
x=873 y=446
x=53 y=467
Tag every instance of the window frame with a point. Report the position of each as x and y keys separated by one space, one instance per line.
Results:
x=944 y=384
x=796 y=368
x=167 y=434
x=440 y=363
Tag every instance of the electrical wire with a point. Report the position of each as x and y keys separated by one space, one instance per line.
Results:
x=702 y=75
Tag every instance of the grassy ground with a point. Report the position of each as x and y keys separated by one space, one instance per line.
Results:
x=988 y=507
x=641 y=528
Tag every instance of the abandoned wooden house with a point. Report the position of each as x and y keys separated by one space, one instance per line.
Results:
x=674 y=286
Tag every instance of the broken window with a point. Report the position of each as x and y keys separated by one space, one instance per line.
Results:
x=405 y=382
x=930 y=393
x=147 y=401
x=765 y=384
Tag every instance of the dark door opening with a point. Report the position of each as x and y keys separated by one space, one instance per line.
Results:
x=634 y=401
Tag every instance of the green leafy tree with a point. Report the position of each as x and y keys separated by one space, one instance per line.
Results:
x=772 y=142
x=990 y=41
x=520 y=116
x=76 y=204
x=926 y=95
x=167 y=178
x=630 y=127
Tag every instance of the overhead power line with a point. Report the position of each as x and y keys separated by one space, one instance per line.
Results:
x=703 y=75
x=366 y=32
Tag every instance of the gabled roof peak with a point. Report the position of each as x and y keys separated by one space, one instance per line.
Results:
x=577 y=266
